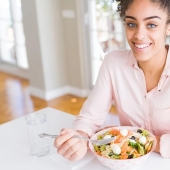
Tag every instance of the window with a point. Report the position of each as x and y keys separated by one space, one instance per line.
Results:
x=106 y=32
x=12 y=39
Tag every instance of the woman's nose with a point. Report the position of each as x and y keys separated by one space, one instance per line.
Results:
x=140 y=34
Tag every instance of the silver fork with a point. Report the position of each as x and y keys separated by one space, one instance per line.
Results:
x=97 y=142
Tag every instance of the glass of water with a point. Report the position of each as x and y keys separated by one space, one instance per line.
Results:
x=36 y=124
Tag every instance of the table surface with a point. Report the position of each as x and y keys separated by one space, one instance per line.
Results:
x=15 y=148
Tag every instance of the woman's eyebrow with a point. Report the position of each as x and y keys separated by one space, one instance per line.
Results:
x=151 y=17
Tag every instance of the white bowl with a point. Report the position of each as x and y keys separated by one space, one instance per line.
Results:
x=122 y=164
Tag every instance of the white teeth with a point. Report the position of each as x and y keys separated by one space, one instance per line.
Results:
x=142 y=45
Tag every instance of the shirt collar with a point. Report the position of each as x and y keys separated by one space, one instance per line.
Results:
x=133 y=62
x=167 y=64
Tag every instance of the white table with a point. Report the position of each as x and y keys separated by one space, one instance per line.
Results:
x=15 y=149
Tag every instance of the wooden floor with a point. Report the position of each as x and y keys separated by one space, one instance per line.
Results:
x=15 y=100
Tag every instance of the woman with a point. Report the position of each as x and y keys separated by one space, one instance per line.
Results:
x=137 y=80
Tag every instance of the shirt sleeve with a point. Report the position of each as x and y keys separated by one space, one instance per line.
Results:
x=96 y=107
x=165 y=145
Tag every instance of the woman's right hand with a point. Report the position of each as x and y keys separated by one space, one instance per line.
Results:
x=71 y=148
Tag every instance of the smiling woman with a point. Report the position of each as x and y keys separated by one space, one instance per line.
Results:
x=136 y=79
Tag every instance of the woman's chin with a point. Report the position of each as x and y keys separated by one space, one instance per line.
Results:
x=142 y=58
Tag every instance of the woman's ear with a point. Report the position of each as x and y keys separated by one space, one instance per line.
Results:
x=168 y=30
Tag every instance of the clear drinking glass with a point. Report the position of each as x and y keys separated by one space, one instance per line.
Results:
x=36 y=123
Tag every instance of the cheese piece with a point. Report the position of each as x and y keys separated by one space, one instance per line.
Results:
x=142 y=139
x=116 y=149
x=124 y=132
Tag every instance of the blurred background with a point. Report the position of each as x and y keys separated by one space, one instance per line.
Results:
x=51 y=52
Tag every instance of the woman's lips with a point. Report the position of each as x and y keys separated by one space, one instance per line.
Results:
x=142 y=46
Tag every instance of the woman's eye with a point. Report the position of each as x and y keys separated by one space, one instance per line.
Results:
x=131 y=25
x=152 y=26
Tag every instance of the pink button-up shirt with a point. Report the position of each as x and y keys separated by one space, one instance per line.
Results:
x=122 y=81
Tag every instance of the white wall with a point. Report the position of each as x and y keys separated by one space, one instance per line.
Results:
x=36 y=77
x=51 y=43
x=54 y=48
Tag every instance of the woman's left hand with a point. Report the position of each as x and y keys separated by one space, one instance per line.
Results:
x=157 y=148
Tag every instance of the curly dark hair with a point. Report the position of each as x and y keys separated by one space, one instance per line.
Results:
x=123 y=5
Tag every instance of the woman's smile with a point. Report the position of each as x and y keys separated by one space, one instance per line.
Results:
x=142 y=46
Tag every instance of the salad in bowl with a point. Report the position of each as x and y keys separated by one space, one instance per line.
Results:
x=129 y=149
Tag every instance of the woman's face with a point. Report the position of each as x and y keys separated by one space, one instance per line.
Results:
x=146 y=29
